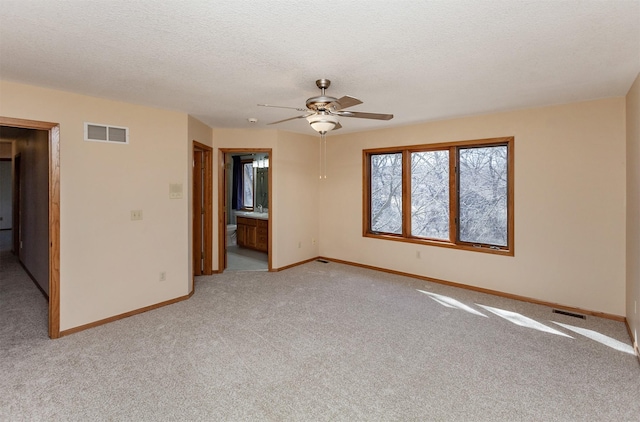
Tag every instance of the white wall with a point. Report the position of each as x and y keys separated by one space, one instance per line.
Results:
x=569 y=205
x=633 y=208
x=109 y=264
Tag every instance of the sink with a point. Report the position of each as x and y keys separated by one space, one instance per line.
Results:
x=253 y=214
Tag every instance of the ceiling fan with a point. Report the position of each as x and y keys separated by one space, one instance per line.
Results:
x=322 y=112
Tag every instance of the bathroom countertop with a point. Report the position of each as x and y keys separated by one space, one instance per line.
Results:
x=253 y=214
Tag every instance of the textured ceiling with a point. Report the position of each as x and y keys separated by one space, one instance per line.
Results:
x=420 y=60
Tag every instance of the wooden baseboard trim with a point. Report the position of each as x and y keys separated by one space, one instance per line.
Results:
x=286 y=267
x=46 y=296
x=626 y=323
x=124 y=315
x=634 y=341
x=487 y=291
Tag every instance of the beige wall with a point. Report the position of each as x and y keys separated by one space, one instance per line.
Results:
x=199 y=132
x=569 y=205
x=109 y=264
x=633 y=208
x=294 y=207
x=569 y=187
x=296 y=198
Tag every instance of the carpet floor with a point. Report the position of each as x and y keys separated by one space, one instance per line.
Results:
x=317 y=342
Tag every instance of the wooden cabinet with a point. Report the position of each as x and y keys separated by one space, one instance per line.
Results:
x=241 y=233
x=253 y=233
x=262 y=236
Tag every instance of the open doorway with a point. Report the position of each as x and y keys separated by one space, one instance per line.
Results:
x=244 y=198
x=36 y=206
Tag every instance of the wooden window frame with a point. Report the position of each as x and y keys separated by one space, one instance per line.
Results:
x=453 y=241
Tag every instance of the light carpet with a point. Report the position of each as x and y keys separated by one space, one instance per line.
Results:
x=318 y=342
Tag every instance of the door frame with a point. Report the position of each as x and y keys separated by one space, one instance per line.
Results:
x=54 y=214
x=222 y=197
x=207 y=226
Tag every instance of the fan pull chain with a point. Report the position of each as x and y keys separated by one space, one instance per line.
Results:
x=323 y=156
x=320 y=157
x=324 y=141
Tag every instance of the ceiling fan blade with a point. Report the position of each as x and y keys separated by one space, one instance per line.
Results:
x=343 y=102
x=362 y=115
x=275 y=106
x=290 y=118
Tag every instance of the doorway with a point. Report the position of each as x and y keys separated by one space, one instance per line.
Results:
x=53 y=217
x=245 y=215
x=202 y=209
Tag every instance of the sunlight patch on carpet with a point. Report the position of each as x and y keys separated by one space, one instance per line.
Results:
x=523 y=321
x=600 y=338
x=450 y=302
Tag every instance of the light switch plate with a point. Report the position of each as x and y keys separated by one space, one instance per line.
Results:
x=136 y=215
x=175 y=190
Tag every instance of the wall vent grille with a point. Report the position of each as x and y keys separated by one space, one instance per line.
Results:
x=567 y=313
x=106 y=133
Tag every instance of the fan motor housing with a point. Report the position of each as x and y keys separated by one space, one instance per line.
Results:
x=319 y=103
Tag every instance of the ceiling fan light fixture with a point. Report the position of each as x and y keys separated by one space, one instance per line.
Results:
x=322 y=122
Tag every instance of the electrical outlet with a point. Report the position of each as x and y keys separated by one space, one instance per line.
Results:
x=313 y=241
x=136 y=215
x=299 y=245
x=163 y=276
x=418 y=254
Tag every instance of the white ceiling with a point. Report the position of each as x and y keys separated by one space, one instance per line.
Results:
x=420 y=60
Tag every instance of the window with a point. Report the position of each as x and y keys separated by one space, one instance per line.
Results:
x=247 y=184
x=457 y=195
x=386 y=193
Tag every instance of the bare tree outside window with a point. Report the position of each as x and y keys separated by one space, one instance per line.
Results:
x=457 y=194
x=483 y=195
x=430 y=194
x=247 y=184
x=386 y=193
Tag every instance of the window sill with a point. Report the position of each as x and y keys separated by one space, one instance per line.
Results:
x=442 y=244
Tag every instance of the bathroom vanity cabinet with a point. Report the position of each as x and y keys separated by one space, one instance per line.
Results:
x=253 y=233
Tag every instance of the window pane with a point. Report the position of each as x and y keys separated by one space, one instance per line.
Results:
x=386 y=193
x=247 y=185
x=483 y=195
x=430 y=194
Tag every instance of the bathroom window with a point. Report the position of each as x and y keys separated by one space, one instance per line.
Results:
x=247 y=184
